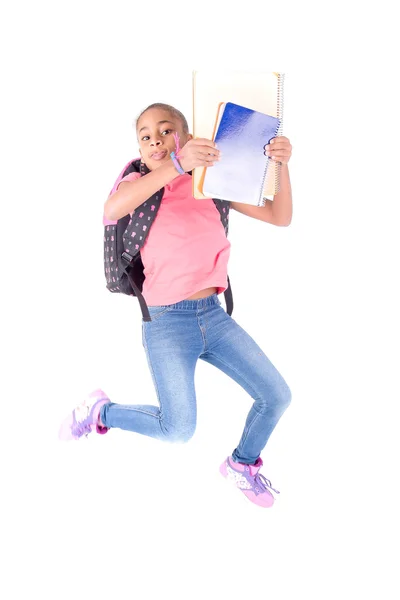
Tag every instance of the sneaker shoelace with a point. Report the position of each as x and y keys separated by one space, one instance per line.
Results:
x=81 y=426
x=264 y=483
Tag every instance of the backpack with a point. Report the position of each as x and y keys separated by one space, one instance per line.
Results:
x=123 y=266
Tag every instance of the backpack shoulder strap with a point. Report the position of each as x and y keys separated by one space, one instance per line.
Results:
x=229 y=299
x=131 y=163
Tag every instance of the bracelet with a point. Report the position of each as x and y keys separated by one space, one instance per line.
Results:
x=177 y=164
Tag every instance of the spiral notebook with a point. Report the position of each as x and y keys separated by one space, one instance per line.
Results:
x=241 y=136
x=259 y=91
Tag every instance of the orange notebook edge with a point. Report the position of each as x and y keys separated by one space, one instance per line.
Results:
x=197 y=182
x=204 y=169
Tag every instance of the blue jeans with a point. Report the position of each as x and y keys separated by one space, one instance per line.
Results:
x=174 y=340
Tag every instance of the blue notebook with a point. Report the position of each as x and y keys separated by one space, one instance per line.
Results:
x=241 y=136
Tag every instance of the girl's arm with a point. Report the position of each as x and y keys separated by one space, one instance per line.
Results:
x=131 y=194
x=280 y=210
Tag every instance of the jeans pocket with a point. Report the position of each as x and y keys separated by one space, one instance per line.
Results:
x=156 y=312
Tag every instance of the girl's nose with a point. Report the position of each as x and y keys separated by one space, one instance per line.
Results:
x=155 y=142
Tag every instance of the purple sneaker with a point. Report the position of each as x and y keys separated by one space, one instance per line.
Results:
x=84 y=418
x=248 y=479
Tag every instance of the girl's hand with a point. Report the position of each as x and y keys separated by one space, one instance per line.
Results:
x=198 y=153
x=279 y=149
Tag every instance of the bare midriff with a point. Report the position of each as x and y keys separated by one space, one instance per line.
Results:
x=203 y=293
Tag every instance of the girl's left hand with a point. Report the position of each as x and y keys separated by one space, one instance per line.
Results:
x=279 y=149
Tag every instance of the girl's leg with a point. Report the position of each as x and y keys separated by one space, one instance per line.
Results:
x=173 y=345
x=235 y=353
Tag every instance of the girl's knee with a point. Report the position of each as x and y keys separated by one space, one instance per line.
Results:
x=178 y=434
x=285 y=395
x=278 y=397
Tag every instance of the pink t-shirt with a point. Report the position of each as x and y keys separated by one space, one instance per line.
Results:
x=186 y=250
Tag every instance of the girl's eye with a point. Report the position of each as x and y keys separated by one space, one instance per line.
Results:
x=145 y=138
x=167 y=131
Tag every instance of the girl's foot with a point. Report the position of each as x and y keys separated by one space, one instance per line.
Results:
x=248 y=479
x=85 y=418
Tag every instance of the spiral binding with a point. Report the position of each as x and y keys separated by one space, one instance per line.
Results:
x=281 y=81
x=280 y=105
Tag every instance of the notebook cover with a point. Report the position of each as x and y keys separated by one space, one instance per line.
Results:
x=240 y=174
x=261 y=91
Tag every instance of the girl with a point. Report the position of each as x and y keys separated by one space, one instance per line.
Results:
x=185 y=260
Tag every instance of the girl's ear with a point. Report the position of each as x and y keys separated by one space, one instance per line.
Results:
x=189 y=136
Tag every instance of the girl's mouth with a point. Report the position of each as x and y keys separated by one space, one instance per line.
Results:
x=159 y=155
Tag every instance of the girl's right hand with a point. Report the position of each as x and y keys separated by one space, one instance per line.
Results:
x=198 y=153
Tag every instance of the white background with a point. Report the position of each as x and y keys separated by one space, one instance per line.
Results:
x=128 y=517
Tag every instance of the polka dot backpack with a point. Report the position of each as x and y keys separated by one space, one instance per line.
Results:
x=123 y=265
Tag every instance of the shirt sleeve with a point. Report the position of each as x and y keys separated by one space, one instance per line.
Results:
x=130 y=177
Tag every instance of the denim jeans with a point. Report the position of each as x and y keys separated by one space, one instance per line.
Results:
x=174 y=340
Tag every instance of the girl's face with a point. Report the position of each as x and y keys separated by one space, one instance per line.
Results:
x=155 y=131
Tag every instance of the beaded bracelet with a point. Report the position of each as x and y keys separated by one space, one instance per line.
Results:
x=177 y=164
